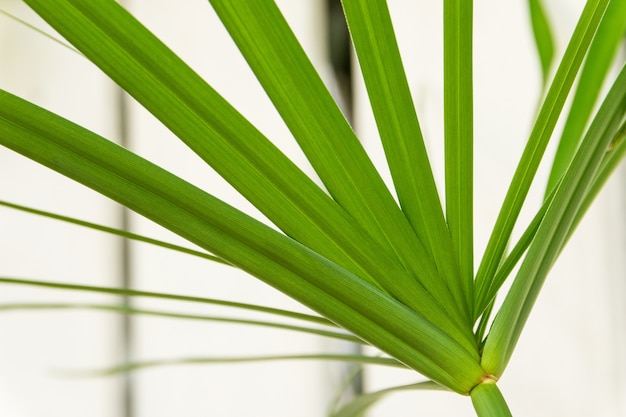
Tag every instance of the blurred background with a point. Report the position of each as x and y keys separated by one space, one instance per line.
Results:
x=571 y=360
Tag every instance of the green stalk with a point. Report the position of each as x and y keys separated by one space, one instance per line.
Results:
x=488 y=401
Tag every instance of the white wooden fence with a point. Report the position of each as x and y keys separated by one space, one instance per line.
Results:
x=571 y=360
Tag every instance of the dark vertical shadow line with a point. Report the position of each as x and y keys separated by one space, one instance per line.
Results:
x=125 y=261
x=340 y=56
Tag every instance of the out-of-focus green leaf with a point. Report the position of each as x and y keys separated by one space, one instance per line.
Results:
x=41 y=32
x=136 y=366
x=359 y=405
x=126 y=292
x=542 y=35
x=122 y=309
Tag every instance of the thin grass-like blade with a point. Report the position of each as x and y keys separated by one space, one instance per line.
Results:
x=136 y=366
x=534 y=150
x=278 y=260
x=359 y=406
x=459 y=135
x=122 y=309
x=308 y=109
x=554 y=229
x=126 y=292
x=53 y=38
x=601 y=55
x=118 y=232
x=388 y=90
x=543 y=36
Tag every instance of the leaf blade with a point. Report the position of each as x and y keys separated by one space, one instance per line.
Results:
x=458 y=136
x=111 y=230
x=124 y=309
x=126 y=292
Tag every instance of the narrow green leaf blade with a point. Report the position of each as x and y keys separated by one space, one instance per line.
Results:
x=597 y=64
x=542 y=35
x=388 y=90
x=554 y=229
x=534 y=150
x=118 y=232
x=517 y=252
x=459 y=135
